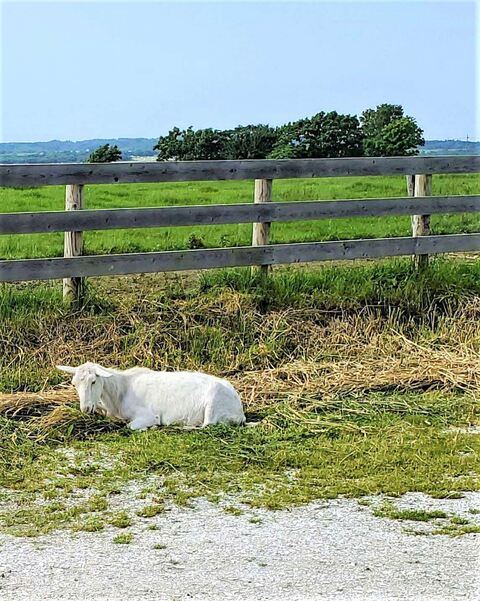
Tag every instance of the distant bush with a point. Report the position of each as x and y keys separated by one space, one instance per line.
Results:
x=388 y=132
x=323 y=135
x=105 y=154
x=251 y=142
x=191 y=145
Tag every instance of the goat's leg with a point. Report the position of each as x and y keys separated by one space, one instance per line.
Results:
x=142 y=422
x=209 y=417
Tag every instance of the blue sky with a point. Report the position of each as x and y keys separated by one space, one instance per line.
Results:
x=132 y=69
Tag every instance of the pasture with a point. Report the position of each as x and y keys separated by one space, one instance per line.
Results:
x=364 y=375
x=217 y=192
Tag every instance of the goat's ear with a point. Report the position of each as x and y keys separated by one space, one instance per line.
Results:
x=100 y=371
x=66 y=368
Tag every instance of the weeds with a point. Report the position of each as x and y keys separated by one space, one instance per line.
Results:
x=120 y=520
x=458 y=527
x=123 y=539
x=232 y=510
x=255 y=520
x=388 y=510
x=90 y=524
x=151 y=511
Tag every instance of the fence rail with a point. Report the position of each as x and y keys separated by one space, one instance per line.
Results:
x=274 y=254
x=108 y=219
x=135 y=173
x=73 y=267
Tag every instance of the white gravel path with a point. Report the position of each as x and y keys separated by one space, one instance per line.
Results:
x=334 y=550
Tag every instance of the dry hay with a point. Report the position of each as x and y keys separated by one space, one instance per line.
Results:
x=26 y=404
x=379 y=362
x=297 y=388
x=330 y=379
x=46 y=413
x=298 y=361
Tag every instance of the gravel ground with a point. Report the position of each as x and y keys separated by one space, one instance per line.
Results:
x=334 y=550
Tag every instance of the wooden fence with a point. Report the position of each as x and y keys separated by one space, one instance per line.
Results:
x=73 y=267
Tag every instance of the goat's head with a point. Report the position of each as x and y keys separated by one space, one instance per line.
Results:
x=88 y=379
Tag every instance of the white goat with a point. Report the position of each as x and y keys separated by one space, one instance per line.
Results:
x=146 y=398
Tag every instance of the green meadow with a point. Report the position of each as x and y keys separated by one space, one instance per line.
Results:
x=363 y=378
x=188 y=193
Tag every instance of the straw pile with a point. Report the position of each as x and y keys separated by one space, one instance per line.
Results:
x=419 y=369
x=286 y=360
x=52 y=414
x=296 y=389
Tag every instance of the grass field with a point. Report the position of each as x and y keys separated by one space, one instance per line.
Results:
x=150 y=195
x=364 y=376
x=358 y=376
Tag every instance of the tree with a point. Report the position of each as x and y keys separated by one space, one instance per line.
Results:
x=105 y=154
x=176 y=145
x=382 y=131
x=250 y=142
x=388 y=132
x=323 y=135
x=191 y=145
x=210 y=144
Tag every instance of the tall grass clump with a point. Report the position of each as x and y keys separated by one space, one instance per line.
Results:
x=391 y=283
x=228 y=322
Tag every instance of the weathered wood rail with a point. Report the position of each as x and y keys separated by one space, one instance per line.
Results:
x=73 y=267
x=135 y=173
x=108 y=219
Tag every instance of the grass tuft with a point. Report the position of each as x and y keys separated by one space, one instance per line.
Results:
x=90 y=524
x=159 y=546
x=232 y=510
x=120 y=520
x=123 y=539
x=151 y=511
x=458 y=527
x=388 y=510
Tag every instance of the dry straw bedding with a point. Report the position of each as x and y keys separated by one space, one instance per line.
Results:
x=345 y=356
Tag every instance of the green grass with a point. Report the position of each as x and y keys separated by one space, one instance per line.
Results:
x=294 y=345
x=232 y=510
x=123 y=539
x=150 y=195
x=457 y=527
x=120 y=520
x=90 y=524
x=459 y=521
x=255 y=520
x=32 y=519
x=160 y=547
x=151 y=511
x=390 y=283
x=388 y=510
x=388 y=452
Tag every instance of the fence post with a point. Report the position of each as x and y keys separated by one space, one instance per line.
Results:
x=73 y=244
x=421 y=223
x=261 y=231
x=410 y=185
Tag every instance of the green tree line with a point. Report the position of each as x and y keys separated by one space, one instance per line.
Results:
x=383 y=131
